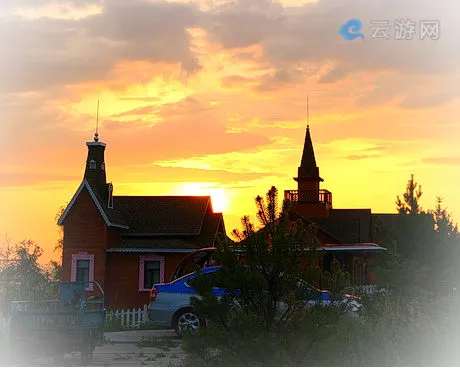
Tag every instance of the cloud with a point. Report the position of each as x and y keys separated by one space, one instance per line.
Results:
x=18 y=4
x=422 y=99
x=45 y=52
x=243 y=23
x=24 y=179
x=446 y=160
x=334 y=75
x=157 y=173
x=359 y=157
x=235 y=81
x=309 y=33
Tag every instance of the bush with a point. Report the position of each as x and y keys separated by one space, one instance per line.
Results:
x=113 y=324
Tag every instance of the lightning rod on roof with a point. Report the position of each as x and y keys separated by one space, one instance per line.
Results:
x=96 y=135
x=308 y=123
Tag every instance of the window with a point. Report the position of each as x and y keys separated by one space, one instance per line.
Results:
x=92 y=164
x=83 y=268
x=151 y=271
x=103 y=166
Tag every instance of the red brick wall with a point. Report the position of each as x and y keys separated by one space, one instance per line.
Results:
x=307 y=185
x=122 y=279
x=85 y=231
x=311 y=209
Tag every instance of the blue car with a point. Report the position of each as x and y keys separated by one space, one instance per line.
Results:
x=170 y=303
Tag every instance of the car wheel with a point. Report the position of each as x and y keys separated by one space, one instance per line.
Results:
x=187 y=322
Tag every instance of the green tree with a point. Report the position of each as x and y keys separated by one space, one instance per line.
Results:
x=60 y=243
x=262 y=271
x=444 y=224
x=410 y=202
x=24 y=278
x=445 y=250
x=423 y=247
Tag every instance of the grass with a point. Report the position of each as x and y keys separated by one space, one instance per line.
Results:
x=113 y=324
x=161 y=343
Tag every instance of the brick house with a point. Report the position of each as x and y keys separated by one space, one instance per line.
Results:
x=128 y=243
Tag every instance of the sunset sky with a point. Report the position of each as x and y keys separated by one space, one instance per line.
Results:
x=209 y=97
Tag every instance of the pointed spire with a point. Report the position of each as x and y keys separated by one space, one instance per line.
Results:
x=308 y=169
x=308 y=155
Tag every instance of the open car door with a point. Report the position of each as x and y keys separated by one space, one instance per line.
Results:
x=195 y=261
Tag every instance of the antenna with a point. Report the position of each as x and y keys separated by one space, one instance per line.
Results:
x=96 y=135
x=308 y=113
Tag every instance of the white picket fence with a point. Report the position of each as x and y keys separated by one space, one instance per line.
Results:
x=130 y=318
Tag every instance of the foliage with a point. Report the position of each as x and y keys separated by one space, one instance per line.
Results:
x=272 y=262
x=426 y=242
x=261 y=272
x=22 y=276
x=414 y=323
x=410 y=202
x=60 y=243
x=113 y=324
x=165 y=343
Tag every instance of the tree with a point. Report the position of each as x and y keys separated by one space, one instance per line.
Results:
x=445 y=251
x=60 y=243
x=444 y=224
x=260 y=271
x=423 y=246
x=410 y=203
x=25 y=278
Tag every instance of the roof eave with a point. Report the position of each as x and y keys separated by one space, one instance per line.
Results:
x=85 y=184
x=149 y=250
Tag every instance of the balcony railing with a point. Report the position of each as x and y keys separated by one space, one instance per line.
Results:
x=308 y=196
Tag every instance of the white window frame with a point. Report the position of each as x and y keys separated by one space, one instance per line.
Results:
x=142 y=260
x=83 y=256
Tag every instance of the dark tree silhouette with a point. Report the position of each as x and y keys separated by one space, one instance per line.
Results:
x=410 y=202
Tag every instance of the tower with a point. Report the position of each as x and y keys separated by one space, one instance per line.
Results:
x=309 y=200
x=308 y=178
x=95 y=166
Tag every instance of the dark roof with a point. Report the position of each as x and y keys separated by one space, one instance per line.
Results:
x=211 y=225
x=308 y=155
x=347 y=225
x=163 y=215
x=308 y=168
x=112 y=217
x=322 y=234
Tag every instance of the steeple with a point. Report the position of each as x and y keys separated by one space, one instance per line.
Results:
x=309 y=200
x=308 y=169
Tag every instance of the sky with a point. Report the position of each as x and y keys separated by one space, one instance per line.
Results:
x=209 y=97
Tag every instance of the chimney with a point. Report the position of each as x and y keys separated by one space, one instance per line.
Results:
x=110 y=197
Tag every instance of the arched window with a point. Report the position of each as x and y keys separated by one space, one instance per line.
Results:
x=92 y=164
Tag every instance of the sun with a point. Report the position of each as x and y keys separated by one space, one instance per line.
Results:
x=219 y=197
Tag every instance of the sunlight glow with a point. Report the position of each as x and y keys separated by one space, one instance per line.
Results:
x=219 y=196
